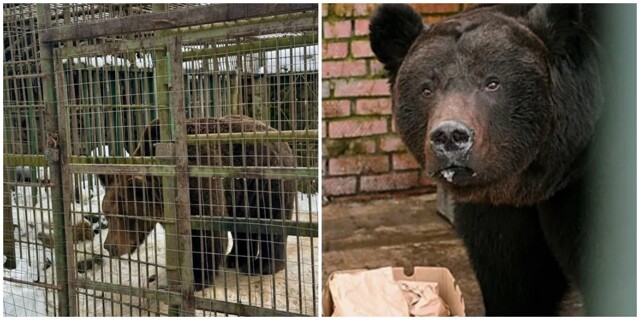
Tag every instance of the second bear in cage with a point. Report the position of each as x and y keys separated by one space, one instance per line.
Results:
x=133 y=204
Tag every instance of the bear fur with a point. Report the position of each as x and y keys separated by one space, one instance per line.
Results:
x=499 y=104
x=129 y=197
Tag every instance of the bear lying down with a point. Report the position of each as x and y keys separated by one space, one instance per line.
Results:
x=133 y=204
x=500 y=104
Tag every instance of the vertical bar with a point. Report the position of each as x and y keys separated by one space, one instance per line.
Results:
x=183 y=208
x=190 y=86
x=52 y=151
x=261 y=99
x=168 y=183
x=119 y=109
x=206 y=86
x=33 y=129
x=279 y=97
x=293 y=101
x=66 y=181
x=217 y=84
x=9 y=246
x=234 y=82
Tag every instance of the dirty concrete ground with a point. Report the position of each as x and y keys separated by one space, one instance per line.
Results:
x=404 y=231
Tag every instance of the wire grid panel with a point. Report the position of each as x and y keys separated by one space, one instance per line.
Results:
x=105 y=104
x=238 y=157
x=27 y=214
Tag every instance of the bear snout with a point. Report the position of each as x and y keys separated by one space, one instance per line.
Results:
x=112 y=249
x=116 y=250
x=451 y=141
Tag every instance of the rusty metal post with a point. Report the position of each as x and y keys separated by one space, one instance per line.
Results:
x=183 y=206
x=8 y=241
x=165 y=153
x=66 y=184
x=52 y=153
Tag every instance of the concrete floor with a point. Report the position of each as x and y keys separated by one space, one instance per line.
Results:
x=402 y=232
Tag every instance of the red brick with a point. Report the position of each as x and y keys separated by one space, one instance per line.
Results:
x=357 y=128
x=324 y=129
x=404 y=161
x=358 y=165
x=335 y=69
x=436 y=7
x=361 y=146
x=389 y=181
x=434 y=19
x=335 y=108
x=338 y=186
x=326 y=89
x=333 y=148
x=373 y=106
x=394 y=126
x=334 y=50
x=361 y=49
x=342 y=9
x=361 y=27
x=392 y=144
x=376 y=68
x=339 y=29
x=425 y=180
x=363 y=9
x=357 y=88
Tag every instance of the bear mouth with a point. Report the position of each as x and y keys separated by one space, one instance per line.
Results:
x=456 y=174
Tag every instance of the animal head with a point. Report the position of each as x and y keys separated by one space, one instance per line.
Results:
x=482 y=100
x=132 y=205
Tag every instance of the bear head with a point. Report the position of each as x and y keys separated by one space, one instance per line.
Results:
x=132 y=207
x=477 y=98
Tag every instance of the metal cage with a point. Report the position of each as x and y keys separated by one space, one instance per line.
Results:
x=160 y=159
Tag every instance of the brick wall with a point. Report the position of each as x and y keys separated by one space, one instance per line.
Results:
x=362 y=153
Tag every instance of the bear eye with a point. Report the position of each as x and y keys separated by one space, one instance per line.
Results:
x=427 y=92
x=492 y=85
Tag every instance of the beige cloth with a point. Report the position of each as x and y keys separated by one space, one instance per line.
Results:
x=424 y=299
x=376 y=293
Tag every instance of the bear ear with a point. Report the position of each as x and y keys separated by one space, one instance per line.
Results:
x=142 y=188
x=392 y=31
x=106 y=179
x=149 y=138
x=562 y=27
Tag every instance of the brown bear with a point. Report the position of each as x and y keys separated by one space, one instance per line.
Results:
x=501 y=106
x=133 y=204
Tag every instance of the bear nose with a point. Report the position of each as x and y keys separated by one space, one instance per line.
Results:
x=451 y=139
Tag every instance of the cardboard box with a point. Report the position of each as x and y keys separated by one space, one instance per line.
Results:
x=449 y=290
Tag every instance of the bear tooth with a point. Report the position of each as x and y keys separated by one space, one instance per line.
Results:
x=448 y=174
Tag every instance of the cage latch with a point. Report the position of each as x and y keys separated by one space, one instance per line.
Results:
x=52 y=154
